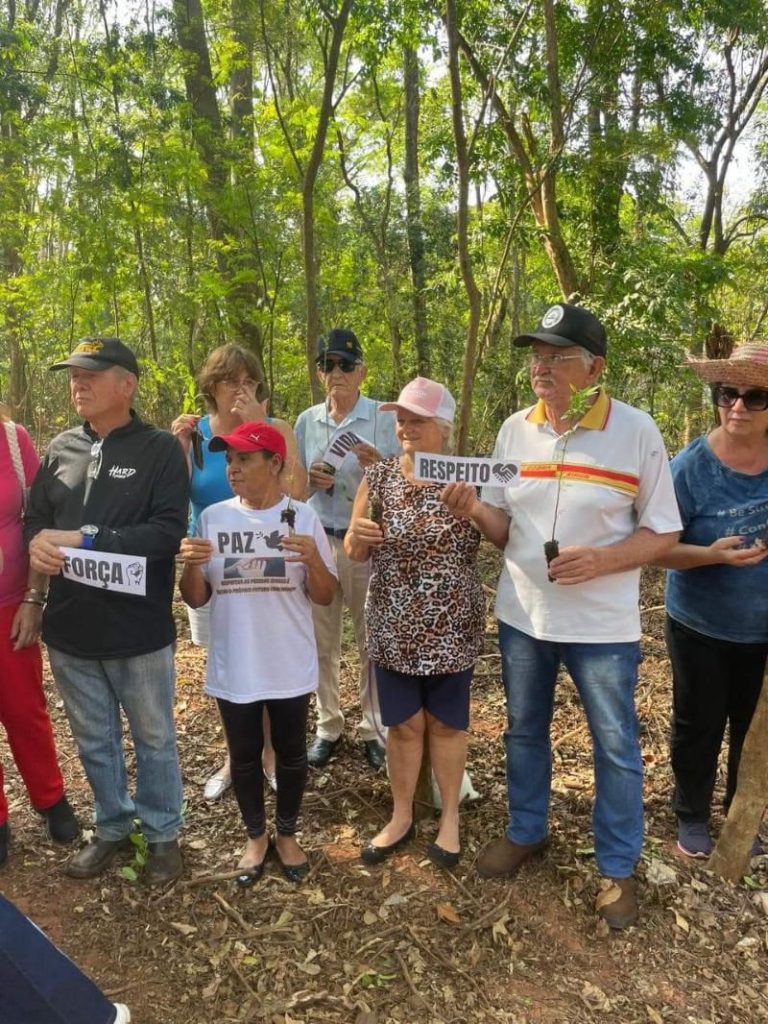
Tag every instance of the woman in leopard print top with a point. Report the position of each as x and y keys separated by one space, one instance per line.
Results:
x=425 y=617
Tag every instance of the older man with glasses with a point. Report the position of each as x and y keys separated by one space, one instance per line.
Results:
x=371 y=436
x=111 y=488
x=599 y=484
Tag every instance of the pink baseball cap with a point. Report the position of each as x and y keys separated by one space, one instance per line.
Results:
x=426 y=398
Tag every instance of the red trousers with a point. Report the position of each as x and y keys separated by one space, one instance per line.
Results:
x=24 y=715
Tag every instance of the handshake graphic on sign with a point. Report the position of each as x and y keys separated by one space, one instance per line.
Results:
x=504 y=471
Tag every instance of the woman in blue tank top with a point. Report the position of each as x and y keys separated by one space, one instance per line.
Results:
x=229 y=381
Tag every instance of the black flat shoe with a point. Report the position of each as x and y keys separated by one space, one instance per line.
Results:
x=293 y=872
x=443 y=858
x=251 y=875
x=377 y=854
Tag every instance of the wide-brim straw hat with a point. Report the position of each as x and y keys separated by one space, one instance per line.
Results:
x=747 y=367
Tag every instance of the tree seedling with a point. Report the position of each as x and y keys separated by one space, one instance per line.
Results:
x=581 y=400
x=288 y=516
x=375 y=509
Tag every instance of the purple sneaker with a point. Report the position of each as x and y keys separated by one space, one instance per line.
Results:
x=693 y=838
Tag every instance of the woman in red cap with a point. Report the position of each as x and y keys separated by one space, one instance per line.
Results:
x=261 y=559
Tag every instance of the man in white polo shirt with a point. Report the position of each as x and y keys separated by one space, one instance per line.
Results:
x=599 y=483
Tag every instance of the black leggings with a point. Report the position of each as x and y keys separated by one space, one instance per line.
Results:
x=245 y=739
x=714 y=682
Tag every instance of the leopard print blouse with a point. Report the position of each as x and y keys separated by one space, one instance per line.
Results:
x=425 y=610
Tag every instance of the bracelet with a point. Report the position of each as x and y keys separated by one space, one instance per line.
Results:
x=33 y=600
x=33 y=591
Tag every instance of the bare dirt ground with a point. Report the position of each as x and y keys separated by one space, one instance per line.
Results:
x=405 y=943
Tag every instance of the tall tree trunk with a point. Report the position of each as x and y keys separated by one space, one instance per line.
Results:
x=465 y=259
x=414 y=227
x=309 y=249
x=732 y=853
x=235 y=262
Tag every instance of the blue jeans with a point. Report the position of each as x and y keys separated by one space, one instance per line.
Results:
x=605 y=676
x=93 y=692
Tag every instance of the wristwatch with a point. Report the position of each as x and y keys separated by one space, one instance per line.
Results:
x=88 y=535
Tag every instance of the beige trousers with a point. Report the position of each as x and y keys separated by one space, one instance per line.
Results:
x=353 y=586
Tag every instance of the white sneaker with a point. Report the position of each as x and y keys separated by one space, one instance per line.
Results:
x=218 y=784
x=123 y=1014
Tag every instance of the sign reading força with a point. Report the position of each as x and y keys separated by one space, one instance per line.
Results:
x=449 y=469
x=124 y=574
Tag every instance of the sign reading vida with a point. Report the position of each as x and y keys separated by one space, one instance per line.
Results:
x=449 y=469
x=125 y=574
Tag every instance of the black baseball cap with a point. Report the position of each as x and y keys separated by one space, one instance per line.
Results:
x=564 y=325
x=99 y=354
x=339 y=342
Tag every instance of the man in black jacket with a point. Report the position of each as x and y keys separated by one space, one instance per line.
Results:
x=106 y=514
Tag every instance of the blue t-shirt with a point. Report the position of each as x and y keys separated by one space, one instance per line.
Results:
x=209 y=484
x=721 y=601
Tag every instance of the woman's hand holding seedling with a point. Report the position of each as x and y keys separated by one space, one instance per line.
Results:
x=729 y=551
x=195 y=551
x=303 y=547
x=320 y=582
x=365 y=531
x=182 y=428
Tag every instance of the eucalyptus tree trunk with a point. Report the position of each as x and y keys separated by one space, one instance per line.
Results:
x=465 y=260
x=235 y=262
x=539 y=173
x=19 y=106
x=414 y=226
x=731 y=856
x=309 y=249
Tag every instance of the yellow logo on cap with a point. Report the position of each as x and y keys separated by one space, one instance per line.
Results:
x=89 y=347
x=350 y=345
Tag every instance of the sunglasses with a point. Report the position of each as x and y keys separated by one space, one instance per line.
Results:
x=329 y=365
x=755 y=400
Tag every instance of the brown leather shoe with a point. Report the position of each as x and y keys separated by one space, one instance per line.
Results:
x=95 y=857
x=616 y=902
x=164 y=863
x=502 y=858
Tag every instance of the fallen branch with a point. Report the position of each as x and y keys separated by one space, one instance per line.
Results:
x=216 y=876
x=409 y=980
x=489 y=917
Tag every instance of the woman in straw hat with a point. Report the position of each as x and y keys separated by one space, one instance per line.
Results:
x=717 y=588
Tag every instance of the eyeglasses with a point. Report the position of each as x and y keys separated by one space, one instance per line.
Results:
x=755 y=400
x=537 y=360
x=94 y=466
x=329 y=365
x=235 y=385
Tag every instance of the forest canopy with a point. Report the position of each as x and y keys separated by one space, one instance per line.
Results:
x=431 y=175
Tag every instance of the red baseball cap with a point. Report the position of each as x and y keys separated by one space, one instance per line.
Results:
x=255 y=436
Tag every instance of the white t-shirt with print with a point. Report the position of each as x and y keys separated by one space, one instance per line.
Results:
x=262 y=642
